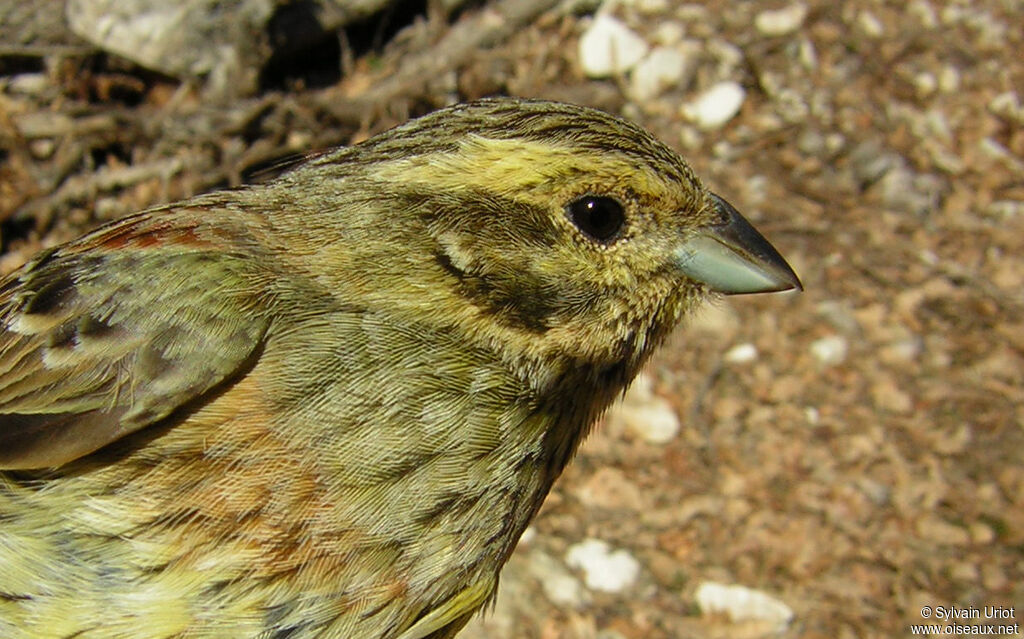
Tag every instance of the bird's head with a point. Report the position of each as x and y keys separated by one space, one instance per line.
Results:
x=562 y=230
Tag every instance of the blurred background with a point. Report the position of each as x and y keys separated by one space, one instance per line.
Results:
x=845 y=462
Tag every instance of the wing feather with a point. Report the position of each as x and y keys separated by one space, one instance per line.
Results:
x=106 y=335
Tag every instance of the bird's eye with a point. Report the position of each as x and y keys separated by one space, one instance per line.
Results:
x=600 y=218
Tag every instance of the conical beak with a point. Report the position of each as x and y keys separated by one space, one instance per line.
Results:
x=731 y=257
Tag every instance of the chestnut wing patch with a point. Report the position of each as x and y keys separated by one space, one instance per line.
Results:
x=103 y=337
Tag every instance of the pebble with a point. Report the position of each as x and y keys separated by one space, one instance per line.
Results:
x=1007 y=105
x=889 y=397
x=716 y=106
x=29 y=83
x=528 y=536
x=924 y=12
x=870 y=25
x=603 y=569
x=965 y=571
x=954 y=443
x=830 y=350
x=870 y=162
x=926 y=83
x=559 y=586
x=807 y=55
x=42 y=148
x=902 y=350
x=949 y=79
x=655 y=423
x=840 y=315
x=726 y=55
x=996 y=151
x=225 y=43
x=690 y=137
x=782 y=21
x=663 y=68
x=651 y=7
x=741 y=604
x=645 y=415
x=669 y=33
x=981 y=533
x=879 y=493
x=1005 y=209
x=906 y=190
x=741 y=354
x=934 y=528
x=608 y=47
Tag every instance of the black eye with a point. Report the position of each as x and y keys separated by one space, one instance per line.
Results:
x=600 y=218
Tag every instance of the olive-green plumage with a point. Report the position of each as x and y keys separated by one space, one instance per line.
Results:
x=328 y=406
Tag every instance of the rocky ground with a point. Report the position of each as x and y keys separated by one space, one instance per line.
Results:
x=851 y=454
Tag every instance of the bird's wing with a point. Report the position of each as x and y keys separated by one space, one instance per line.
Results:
x=117 y=330
x=446 y=620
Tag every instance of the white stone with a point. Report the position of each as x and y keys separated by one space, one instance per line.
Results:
x=645 y=415
x=559 y=586
x=651 y=7
x=609 y=47
x=949 y=79
x=925 y=82
x=29 y=83
x=42 y=148
x=716 y=106
x=830 y=350
x=654 y=421
x=691 y=139
x=528 y=536
x=1005 y=209
x=663 y=68
x=808 y=55
x=741 y=353
x=907 y=349
x=669 y=33
x=603 y=569
x=782 y=21
x=741 y=604
x=924 y=12
x=870 y=24
x=1007 y=105
x=218 y=41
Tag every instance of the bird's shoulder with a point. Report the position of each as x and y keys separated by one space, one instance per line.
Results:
x=115 y=330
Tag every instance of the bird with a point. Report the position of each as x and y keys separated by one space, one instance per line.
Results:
x=329 y=405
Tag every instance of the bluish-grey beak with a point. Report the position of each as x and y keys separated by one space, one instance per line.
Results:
x=731 y=257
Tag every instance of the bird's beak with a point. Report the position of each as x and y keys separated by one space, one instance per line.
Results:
x=731 y=257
